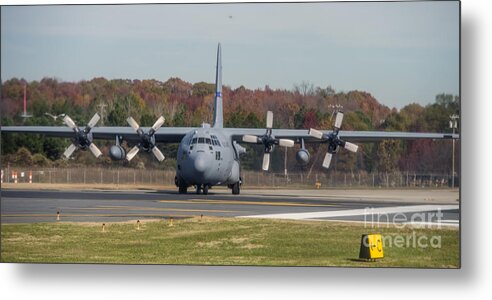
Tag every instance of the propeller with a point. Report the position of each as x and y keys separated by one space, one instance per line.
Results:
x=83 y=137
x=333 y=141
x=268 y=140
x=147 y=140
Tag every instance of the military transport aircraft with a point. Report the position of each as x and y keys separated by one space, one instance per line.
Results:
x=209 y=155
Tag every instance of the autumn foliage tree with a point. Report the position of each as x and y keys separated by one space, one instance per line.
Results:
x=186 y=104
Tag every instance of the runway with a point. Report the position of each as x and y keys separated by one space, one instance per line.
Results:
x=433 y=208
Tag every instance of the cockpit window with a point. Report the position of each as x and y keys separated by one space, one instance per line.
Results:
x=215 y=140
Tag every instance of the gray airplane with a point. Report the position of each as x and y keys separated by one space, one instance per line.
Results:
x=209 y=156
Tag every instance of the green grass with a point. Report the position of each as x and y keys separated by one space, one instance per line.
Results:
x=220 y=241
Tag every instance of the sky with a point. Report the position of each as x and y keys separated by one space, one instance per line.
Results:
x=399 y=52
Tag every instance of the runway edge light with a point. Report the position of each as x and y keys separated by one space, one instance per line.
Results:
x=371 y=247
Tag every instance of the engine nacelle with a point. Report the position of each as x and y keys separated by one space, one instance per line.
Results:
x=116 y=152
x=302 y=157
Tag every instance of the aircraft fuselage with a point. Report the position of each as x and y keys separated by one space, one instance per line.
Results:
x=206 y=157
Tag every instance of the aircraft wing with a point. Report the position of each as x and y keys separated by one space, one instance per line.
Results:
x=354 y=136
x=175 y=134
x=163 y=135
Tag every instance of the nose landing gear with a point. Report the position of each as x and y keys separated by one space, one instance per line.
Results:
x=203 y=187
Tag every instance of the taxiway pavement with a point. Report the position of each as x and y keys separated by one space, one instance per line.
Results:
x=425 y=207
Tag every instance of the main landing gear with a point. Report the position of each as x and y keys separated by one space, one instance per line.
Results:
x=183 y=189
x=235 y=188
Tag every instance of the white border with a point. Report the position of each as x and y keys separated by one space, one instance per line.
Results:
x=172 y=282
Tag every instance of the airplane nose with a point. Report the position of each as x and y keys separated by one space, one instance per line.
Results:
x=200 y=163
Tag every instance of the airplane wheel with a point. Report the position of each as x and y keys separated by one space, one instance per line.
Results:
x=235 y=189
x=183 y=190
x=205 y=189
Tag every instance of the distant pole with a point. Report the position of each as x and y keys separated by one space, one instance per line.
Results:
x=333 y=111
x=25 y=100
x=25 y=114
x=102 y=111
x=453 y=123
x=452 y=171
x=285 y=162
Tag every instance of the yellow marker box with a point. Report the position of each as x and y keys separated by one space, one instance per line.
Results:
x=371 y=246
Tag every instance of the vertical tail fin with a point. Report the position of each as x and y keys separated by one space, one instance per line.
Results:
x=218 y=112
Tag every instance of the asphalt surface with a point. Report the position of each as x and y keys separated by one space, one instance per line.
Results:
x=374 y=207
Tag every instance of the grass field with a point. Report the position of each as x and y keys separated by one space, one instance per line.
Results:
x=223 y=241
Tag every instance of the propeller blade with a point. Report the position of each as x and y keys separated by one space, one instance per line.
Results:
x=351 y=147
x=158 y=123
x=250 y=139
x=327 y=160
x=339 y=119
x=69 y=151
x=130 y=155
x=315 y=133
x=69 y=122
x=158 y=154
x=266 y=161
x=133 y=123
x=94 y=120
x=286 y=143
x=95 y=150
x=269 y=120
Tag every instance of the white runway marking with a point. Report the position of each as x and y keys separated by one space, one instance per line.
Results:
x=356 y=212
x=451 y=223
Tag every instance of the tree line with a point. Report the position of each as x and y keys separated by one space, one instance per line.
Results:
x=186 y=104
